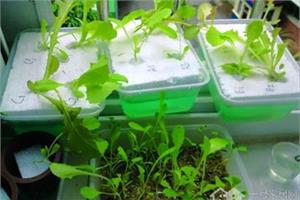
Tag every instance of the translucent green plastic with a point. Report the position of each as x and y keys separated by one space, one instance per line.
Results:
x=249 y=112
x=147 y=104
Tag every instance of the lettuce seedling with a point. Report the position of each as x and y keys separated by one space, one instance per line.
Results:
x=99 y=84
x=52 y=60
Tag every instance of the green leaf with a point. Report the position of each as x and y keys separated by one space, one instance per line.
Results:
x=178 y=136
x=191 y=32
x=217 y=144
x=254 y=30
x=43 y=42
x=280 y=51
x=102 y=30
x=44 y=85
x=157 y=17
x=132 y=16
x=170 y=193
x=122 y=154
x=208 y=187
x=213 y=37
x=141 y=175
x=189 y=171
x=136 y=126
x=166 y=153
x=53 y=66
x=204 y=10
x=117 y=78
x=136 y=160
x=62 y=56
x=74 y=86
x=160 y=4
x=205 y=146
x=186 y=12
x=97 y=94
x=55 y=149
x=167 y=30
x=91 y=123
x=66 y=171
x=116 y=181
x=89 y=192
x=165 y=183
x=233 y=181
x=242 y=69
x=102 y=146
x=230 y=36
x=275 y=32
x=219 y=182
x=162 y=147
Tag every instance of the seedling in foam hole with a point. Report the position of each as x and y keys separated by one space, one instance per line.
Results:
x=54 y=57
x=152 y=166
x=90 y=32
x=261 y=47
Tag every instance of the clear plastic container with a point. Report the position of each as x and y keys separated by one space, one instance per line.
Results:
x=285 y=162
x=235 y=166
x=255 y=97
x=26 y=109
x=154 y=72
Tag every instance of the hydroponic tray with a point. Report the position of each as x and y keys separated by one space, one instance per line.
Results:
x=26 y=62
x=251 y=98
x=154 y=72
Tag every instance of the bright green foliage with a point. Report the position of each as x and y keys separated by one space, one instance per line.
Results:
x=168 y=31
x=65 y=171
x=122 y=154
x=98 y=81
x=160 y=19
x=217 y=144
x=191 y=32
x=253 y=30
x=102 y=146
x=180 y=55
x=52 y=61
x=91 y=123
x=151 y=160
x=89 y=192
x=259 y=45
x=43 y=44
x=186 y=12
x=238 y=69
x=43 y=85
x=61 y=55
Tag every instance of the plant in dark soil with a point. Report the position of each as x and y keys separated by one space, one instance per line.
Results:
x=156 y=163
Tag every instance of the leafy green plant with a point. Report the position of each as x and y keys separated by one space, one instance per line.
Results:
x=162 y=18
x=52 y=58
x=258 y=44
x=157 y=163
x=94 y=30
x=99 y=83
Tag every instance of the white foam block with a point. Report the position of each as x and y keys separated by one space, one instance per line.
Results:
x=30 y=64
x=154 y=68
x=31 y=162
x=3 y=195
x=257 y=85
